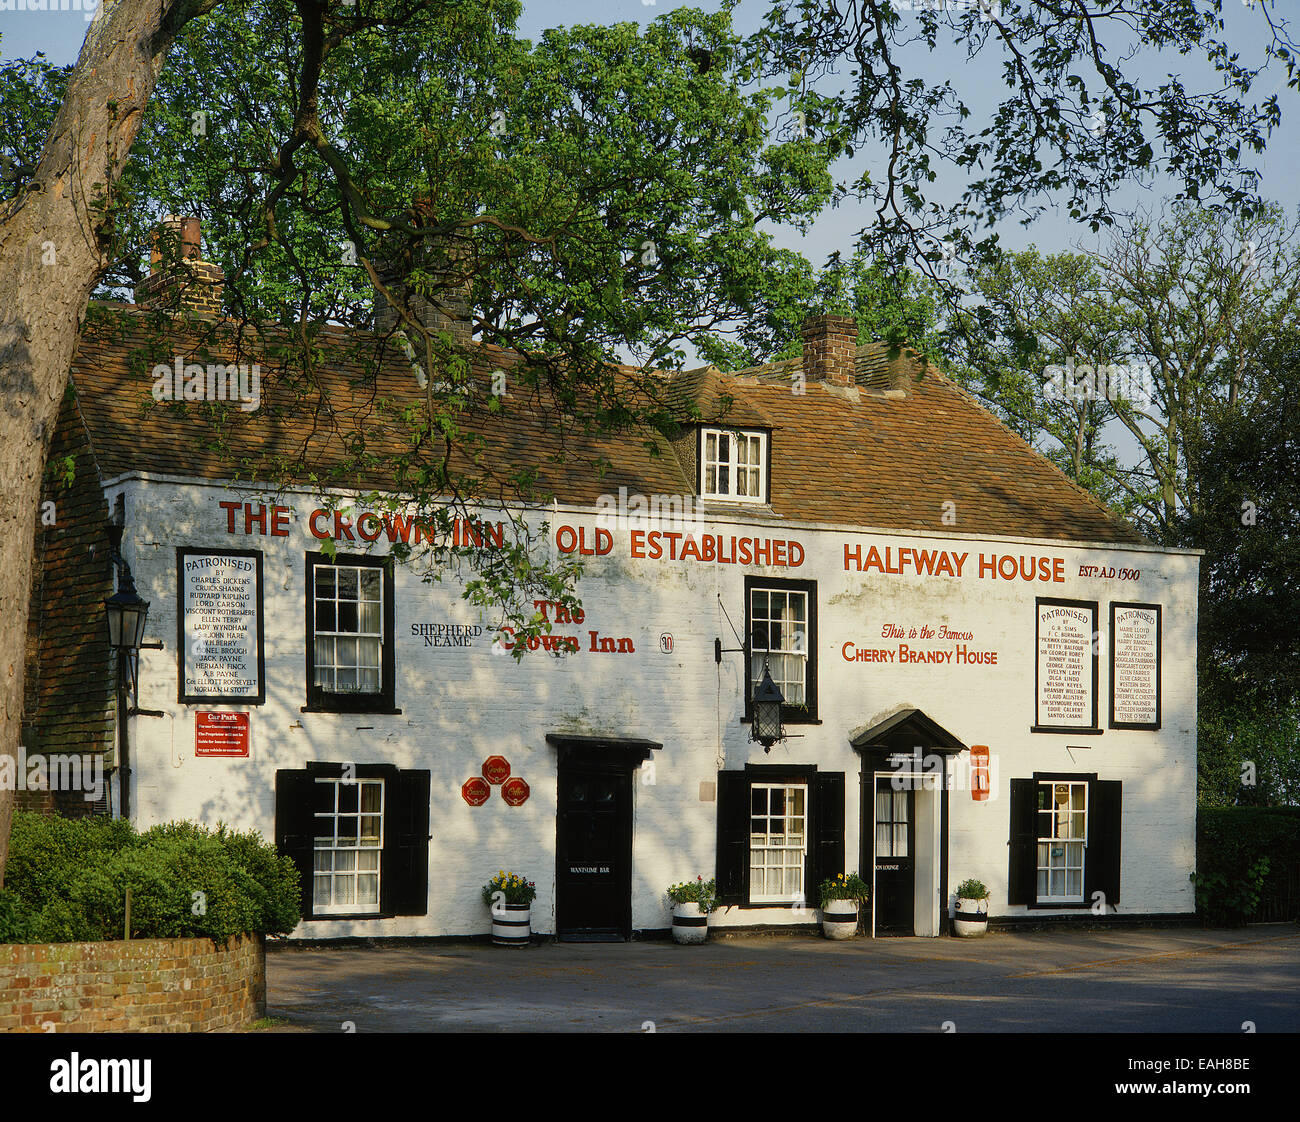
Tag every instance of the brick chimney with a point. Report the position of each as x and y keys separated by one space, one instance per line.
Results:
x=179 y=279
x=440 y=300
x=830 y=347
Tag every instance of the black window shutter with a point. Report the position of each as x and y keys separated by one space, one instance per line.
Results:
x=1101 y=865
x=1022 y=872
x=828 y=841
x=733 y=837
x=295 y=826
x=405 y=880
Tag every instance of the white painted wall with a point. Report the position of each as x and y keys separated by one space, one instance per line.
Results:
x=461 y=704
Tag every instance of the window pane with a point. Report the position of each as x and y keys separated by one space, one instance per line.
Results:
x=370 y=617
x=347 y=618
x=325 y=615
x=324 y=662
x=710 y=480
x=347 y=584
x=325 y=581
x=372 y=584
x=368 y=889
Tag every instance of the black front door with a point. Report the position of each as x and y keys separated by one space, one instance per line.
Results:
x=594 y=850
x=895 y=844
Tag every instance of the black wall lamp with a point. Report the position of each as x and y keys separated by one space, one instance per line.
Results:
x=766 y=703
x=125 y=613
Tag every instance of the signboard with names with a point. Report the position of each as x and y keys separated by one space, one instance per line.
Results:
x=1134 y=666
x=219 y=626
x=1065 y=672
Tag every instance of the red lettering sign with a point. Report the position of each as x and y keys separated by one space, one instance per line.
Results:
x=979 y=772
x=496 y=770
x=515 y=792
x=221 y=734
x=475 y=791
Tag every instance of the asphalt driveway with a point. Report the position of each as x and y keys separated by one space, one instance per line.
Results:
x=1132 y=981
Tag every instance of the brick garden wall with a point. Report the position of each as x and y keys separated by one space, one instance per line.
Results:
x=144 y=985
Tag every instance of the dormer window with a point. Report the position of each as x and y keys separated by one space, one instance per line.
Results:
x=733 y=465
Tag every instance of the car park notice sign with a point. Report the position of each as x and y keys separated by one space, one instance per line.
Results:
x=221 y=734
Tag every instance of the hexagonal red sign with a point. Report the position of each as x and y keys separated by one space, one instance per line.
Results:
x=475 y=791
x=496 y=770
x=515 y=792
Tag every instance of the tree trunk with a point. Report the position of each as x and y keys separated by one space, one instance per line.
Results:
x=53 y=237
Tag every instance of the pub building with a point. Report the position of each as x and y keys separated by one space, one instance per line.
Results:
x=980 y=671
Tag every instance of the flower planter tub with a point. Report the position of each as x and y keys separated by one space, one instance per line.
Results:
x=512 y=927
x=971 y=918
x=840 y=919
x=690 y=923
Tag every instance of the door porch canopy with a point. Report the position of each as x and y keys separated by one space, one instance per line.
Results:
x=907 y=731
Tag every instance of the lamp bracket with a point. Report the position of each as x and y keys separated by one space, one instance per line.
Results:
x=719 y=650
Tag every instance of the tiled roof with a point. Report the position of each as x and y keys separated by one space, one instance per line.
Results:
x=861 y=455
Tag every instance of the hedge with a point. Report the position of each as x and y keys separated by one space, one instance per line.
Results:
x=1239 y=851
x=66 y=882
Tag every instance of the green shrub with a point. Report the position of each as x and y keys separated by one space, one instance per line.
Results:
x=1238 y=848
x=67 y=881
x=697 y=891
x=13 y=921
